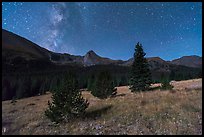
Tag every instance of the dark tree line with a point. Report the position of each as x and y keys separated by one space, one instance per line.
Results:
x=25 y=84
x=17 y=84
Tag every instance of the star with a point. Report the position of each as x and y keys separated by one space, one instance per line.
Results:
x=84 y=25
x=192 y=7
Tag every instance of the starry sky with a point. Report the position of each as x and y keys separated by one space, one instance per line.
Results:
x=166 y=29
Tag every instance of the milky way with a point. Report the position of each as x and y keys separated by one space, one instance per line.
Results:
x=167 y=30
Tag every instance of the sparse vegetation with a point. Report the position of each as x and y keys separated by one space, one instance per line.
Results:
x=147 y=113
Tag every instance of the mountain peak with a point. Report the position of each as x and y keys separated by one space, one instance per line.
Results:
x=189 y=61
x=155 y=59
x=91 y=58
x=191 y=56
x=91 y=52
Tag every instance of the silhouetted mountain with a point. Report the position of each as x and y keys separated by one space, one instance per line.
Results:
x=189 y=61
x=91 y=58
x=15 y=48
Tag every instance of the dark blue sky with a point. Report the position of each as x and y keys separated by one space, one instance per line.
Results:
x=168 y=30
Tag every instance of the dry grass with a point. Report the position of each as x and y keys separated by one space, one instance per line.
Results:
x=152 y=112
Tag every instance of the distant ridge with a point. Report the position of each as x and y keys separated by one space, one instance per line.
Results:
x=14 y=46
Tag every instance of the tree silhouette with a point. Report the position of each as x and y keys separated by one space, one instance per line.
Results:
x=140 y=76
x=103 y=86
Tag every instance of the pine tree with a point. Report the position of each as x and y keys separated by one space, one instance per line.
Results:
x=54 y=84
x=24 y=88
x=35 y=86
x=103 y=86
x=165 y=85
x=67 y=101
x=140 y=76
x=172 y=75
x=90 y=84
x=42 y=89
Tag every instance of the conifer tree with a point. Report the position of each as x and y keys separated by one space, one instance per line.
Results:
x=67 y=101
x=165 y=85
x=89 y=85
x=103 y=86
x=91 y=81
x=140 y=76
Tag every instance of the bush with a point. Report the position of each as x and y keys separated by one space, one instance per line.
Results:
x=67 y=101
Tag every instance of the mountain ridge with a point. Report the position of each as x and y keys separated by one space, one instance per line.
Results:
x=17 y=46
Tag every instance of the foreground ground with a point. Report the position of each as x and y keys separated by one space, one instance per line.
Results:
x=153 y=112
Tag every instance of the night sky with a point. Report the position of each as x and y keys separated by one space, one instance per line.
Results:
x=168 y=30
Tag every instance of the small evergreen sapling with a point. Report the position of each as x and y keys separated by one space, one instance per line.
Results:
x=103 y=86
x=165 y=85
x=67 y=101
